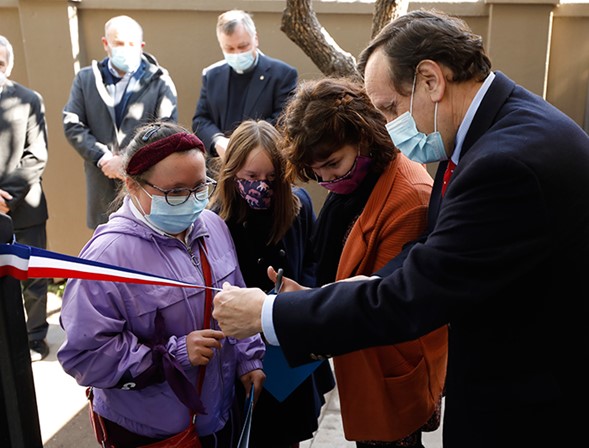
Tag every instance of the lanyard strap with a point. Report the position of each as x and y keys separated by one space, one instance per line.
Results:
x=208 y=310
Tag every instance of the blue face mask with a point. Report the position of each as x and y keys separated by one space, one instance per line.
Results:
x=240 y=62
x=174 y=219
x=414 y=144
x=126 y=59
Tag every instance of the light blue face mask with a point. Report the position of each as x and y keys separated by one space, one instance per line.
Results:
x=414 y=144
x=240 y=62
x=174 y=219
x=126 y=59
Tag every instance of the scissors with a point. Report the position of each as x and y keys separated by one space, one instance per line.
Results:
x=278 y=283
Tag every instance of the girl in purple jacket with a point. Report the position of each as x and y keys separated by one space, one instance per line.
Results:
x=144 y=348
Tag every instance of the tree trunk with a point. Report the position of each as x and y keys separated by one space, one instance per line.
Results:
x=301 y=26
x=385 y=11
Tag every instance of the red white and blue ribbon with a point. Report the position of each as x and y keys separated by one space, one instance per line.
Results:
x=23 y=262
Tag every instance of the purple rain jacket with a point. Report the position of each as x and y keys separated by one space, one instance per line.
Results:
x=110 y=326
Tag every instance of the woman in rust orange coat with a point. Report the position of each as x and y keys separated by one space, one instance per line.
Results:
x=377 y=202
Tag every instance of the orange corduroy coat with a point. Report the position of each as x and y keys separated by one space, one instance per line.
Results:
x=388 y=392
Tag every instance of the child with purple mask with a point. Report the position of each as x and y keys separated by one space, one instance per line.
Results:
x=271 y=222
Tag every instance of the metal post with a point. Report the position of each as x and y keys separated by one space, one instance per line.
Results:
x=19 y=418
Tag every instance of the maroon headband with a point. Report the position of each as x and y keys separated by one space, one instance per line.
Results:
x=157 y=151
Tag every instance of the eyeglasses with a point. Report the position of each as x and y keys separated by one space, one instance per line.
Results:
x=178 y=196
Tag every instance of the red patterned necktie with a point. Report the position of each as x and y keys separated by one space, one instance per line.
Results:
x=447 y=175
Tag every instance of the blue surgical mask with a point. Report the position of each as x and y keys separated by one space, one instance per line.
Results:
x=414 y=144
x=125 y=58
x=240 y=62
x=174 y=219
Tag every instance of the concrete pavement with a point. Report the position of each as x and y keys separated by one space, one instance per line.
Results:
x=63 y=412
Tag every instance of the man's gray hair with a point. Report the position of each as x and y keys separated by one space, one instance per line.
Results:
x=227 y=22
x=9 y=54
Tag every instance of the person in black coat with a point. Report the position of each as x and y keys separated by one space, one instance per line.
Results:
x=504 y=261
x=23 y=157
x=271 y=223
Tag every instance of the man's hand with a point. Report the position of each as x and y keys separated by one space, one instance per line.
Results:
x=4 y=196
x=221 y=144
x=201 y=345
x=113 y=167
x=239 y=310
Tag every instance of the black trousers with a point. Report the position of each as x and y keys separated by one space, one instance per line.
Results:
x=34 y=290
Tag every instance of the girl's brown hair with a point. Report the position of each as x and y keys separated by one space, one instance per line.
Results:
x=250 y=135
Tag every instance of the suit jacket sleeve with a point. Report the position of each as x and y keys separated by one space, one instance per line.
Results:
x=203 y=123
x=452 y=271
x=75 y=122
x=283 y=91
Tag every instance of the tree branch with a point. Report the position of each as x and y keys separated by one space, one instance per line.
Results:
x=301 y=26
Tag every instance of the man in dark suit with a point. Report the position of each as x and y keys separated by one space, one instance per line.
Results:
x=245 y=84
x=505 y=260
x=23 y=156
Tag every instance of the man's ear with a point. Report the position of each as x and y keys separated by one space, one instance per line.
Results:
x=433 y=74
x=105 y=44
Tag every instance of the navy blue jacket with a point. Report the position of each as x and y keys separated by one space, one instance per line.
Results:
x=272 y=82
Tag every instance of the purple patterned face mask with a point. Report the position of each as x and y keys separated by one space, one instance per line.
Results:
x=347 y=183
x=257 y=193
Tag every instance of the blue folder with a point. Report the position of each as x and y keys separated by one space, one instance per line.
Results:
x=281 y=379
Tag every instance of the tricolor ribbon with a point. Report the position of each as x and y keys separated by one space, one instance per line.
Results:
x=23 y=262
